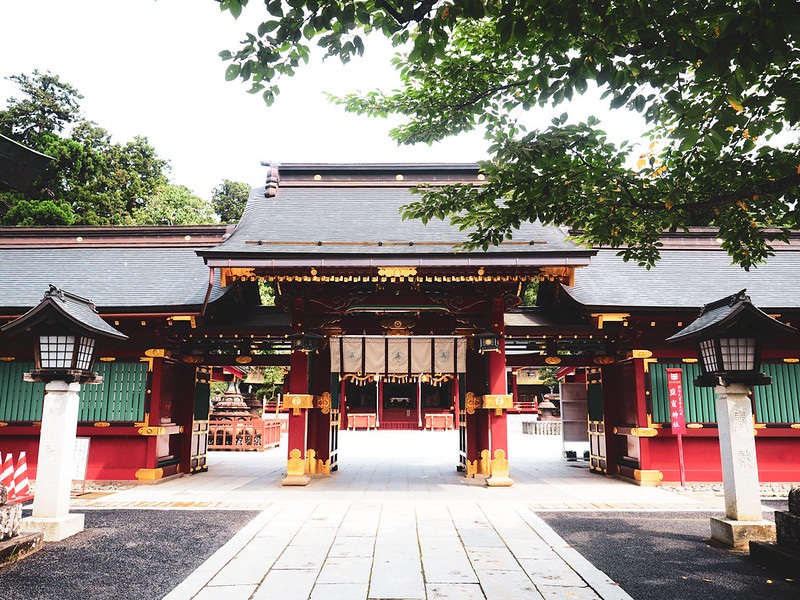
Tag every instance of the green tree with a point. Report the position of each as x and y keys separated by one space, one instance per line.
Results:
x=48 y=106
x=174 y=205
x=28 y=213
x=715 y=80
x=92 y=180
x=229 y=200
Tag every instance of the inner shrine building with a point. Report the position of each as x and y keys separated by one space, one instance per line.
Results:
x=388 y=323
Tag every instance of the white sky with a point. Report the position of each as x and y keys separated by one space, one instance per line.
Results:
x=151 y=68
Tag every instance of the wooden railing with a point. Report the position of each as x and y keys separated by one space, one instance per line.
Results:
x=439 y=422
x=239 y=434
x=361 y=421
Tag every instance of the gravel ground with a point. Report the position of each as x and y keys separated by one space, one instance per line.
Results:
x=663 y=556
x=122 y=554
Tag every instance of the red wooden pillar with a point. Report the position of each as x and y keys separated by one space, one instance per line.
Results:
x=297 y=434
x=319 y=417
x=473 y=436
x=379 y=408
x=343 y=401
x=454 y=392
x=185 y=397
x=647 y=473
x=152 y=418
x=497 y=385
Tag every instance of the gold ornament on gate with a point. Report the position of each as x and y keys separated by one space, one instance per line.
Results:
x=471 y=403
x=324 y=403
x=498 y=402
x=297 y=402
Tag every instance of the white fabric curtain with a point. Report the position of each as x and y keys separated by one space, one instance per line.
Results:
x=363 y=354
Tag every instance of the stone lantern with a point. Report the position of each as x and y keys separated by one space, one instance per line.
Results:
x=64 y=329
x=728 y=335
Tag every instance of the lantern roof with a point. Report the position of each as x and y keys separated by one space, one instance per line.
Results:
x=60 y=306
x=732 y=312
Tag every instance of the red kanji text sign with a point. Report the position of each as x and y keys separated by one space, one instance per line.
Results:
x=675 y=393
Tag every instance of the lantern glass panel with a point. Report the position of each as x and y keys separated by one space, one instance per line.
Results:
x=708 y=354
x=738 y=354
x=56 y=351
x=85 y=354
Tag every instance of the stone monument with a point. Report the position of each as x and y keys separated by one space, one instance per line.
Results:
x=784 y=555
x=13 y=545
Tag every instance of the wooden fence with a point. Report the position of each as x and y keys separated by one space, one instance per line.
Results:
x=240 y=434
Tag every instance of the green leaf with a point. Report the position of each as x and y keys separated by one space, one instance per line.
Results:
x=505 y=28
x=234 y=7
x=232 y=72
x=689 y=140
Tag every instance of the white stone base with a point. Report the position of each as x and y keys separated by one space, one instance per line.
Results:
x=736 y=534
x=54 y=528
x=498 y=481
x=295 y=480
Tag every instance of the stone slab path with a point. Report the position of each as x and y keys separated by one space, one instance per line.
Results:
x=397 y=521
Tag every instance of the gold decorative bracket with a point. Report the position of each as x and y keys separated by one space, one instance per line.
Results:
x=229 y=275
x=297 y=402
x=149 y=474
x=601 y=318
x=397 y=271
x=324 y=402
x=187 y=318
x=471 y=403
x=498 y=402
x=636 y=431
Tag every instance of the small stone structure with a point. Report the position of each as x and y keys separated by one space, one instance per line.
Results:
x=14 y=545
x=232 y=425
x=548 y=411
x=784 y=555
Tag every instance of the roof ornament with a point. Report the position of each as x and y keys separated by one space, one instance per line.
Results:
x=273 y=179
x=63 y=295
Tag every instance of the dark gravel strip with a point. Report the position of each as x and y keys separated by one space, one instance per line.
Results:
x=664 y=556
x=122 y=554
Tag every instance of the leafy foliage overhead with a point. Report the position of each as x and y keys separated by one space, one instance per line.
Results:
x=716 y=81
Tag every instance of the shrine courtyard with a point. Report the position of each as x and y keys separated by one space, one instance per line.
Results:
x=394 y=525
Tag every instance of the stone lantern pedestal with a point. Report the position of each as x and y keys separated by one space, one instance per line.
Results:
x=54 y=469
x=743 y=520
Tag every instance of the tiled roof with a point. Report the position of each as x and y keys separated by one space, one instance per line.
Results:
x=354 y=211
x=687 y=278
x=65 y=307
x=121 y=278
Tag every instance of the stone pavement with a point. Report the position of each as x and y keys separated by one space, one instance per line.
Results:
x=397 y=521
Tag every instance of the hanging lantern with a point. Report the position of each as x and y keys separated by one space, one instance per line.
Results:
x=487 y=342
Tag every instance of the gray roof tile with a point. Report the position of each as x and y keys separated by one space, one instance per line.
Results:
x=686 y=279
x=352 y=220
x=113 y=278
